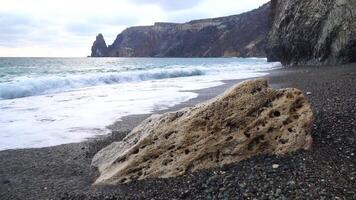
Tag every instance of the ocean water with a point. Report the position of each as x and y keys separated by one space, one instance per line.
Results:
x=51 y=101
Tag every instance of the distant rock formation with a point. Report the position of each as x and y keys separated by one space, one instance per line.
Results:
x=249 y=119
x=310 y=32
x=238 y=35
x=99 y=48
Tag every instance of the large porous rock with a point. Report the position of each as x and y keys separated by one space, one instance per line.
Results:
x=248 y=119
x=312 y=32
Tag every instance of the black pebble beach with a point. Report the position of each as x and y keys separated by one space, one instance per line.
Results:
x=327 y=171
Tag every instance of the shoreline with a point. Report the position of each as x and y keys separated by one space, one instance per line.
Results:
x=64 y=172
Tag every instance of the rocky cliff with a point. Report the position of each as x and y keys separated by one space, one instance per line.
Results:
x=99 y=48
x=249 y=119
x=238 y=35
x=312 y=32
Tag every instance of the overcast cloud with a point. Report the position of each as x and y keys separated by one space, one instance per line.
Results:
x=68 y=27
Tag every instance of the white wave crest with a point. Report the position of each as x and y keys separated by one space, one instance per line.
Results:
x=25 y=87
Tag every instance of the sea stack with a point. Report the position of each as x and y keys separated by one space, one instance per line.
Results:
x=249 y=119
x=99 y=48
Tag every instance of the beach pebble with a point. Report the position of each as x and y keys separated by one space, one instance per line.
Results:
x=291 y=182
x=278 y=192
x=309 y=93
x=275 y=166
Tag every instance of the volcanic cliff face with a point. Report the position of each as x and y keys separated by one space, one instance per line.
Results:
x=238 y=35
x=312 y=32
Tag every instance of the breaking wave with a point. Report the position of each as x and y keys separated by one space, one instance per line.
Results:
x=25 y=87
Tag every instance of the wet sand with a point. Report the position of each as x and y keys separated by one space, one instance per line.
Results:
x=326 y=172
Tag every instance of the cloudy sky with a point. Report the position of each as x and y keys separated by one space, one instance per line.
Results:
x=68 y=27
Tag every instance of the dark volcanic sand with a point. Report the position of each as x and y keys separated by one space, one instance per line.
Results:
x=326 y=172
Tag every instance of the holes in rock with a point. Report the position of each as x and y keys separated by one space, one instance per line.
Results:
x=232 y=125
x=290 y=130
x=290 y=96
x=179 y=114
x=169 y=134
x=229 y=138
x=134 y=177
x=186 y=151
x=135 y=141
x=270 y=129
x=255 y=142
x=120 y=160
x=276 y=113
x=247 y=134
x=123 y=180
x=174 y=117
x=297 y=104
x=211 y=157
x=283 y=141
x=166 y=162
x=134 y=170
x=287 y=121
x=136 y=151
x=195 y=137
x=263 y=146
x=298 y=93
x=139 y=173
x=256 y=90
x=171 y=147
x=180 y=169
x=217 y=155
x=280 y=94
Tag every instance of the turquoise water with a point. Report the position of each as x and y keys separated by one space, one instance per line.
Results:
x=51 y=101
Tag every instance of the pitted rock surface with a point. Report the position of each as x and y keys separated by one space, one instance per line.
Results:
x=249 y=119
